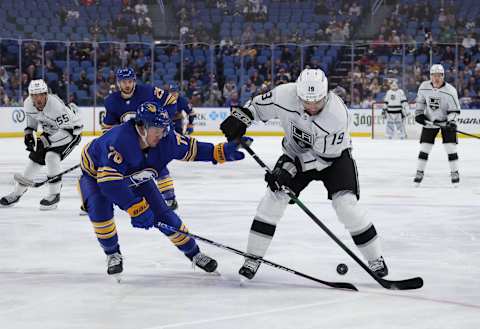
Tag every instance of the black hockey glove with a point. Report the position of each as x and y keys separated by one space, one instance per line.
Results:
x=451 y=125
x=282 y=175
x=236 y=124
x=421 y=118
x=29 y=142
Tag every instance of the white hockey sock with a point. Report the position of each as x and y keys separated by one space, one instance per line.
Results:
x=425 y=149
x=30 y=171
x=353 y=217
x=451 y=149
x=52 y=160
x=269 y=212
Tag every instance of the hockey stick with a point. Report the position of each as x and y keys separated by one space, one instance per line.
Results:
x=458 y=131
x=338 y=285
x=413 y=283
x=28 y=182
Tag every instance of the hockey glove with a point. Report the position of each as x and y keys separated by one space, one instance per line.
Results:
x=282 y=175
x=43 y=141
x=189 y=129
x=384 y=113
x=421 y=118
x=29 y=142
x=141 y=214
x=451 y=126
x=229 y=151
x=236 y=124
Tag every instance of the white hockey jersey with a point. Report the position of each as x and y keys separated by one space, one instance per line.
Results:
x=395 y=101
x=437 y=104
x=315 y=140
x=60 y=122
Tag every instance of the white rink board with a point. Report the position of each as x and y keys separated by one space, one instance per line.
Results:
x=12 y=122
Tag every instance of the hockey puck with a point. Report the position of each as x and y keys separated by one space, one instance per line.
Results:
x=342 y=269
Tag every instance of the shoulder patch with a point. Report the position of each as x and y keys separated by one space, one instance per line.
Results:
x=171 y=99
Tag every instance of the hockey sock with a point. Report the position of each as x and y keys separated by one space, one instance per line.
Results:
x=425 y=149
x=52 y=161
x=106 y=232
x=269 y=212
x=30 y=171
x=353 y=217
x=451 y=149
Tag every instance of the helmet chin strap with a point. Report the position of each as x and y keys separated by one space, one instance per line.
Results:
x=143 y=136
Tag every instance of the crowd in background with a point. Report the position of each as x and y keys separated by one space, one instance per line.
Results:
x=216 y=71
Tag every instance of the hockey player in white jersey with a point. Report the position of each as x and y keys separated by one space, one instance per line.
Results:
x=61 y=133
x=437 y=102
x=394 y=111
x=316 y=147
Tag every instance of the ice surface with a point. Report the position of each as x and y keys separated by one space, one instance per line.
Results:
x=53 y=275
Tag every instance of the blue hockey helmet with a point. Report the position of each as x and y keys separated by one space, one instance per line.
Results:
x=152 y=114
x=173 y=87
x=126 y=74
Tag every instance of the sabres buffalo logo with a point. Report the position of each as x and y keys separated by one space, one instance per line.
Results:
x=151 y=108
x=140 y=177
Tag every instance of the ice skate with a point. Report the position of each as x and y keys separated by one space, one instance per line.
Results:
x=50 y=202
x=205 y=262
x=418 y=178
x=455 y=178
x=378 y=266
x=9 y=200
x=115 y=265
x=249 y=268
x=172 y=204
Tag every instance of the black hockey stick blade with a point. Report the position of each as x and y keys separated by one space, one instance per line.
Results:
x=337 y=285
x=413 y=283
x=28 y=182
x=407 y=284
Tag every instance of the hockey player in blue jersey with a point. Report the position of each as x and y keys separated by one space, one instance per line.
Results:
x=119 y=168
x=183 y=105
x=121 y=105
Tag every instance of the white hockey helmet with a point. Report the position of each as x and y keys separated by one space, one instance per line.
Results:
x=437 y=68
x=312 y=85
x=394 y=85
x=37 y=87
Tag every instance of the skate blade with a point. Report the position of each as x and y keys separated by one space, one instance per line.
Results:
x=116 y=277
x=7 y=205
x=82 y=213
x=243 y=281
x=46 y=208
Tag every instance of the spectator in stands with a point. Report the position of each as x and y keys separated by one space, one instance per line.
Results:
x=83 y=82
x=228 y=89
x=4 y=76
x=282 y=77
x=247 y=91
x=4 y=100
x=214 y=96
x=469 y=41
x=233 y=100
x=141 y=8
x=355 y=10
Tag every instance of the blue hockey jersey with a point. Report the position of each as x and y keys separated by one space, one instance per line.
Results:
x=119 y=109
x=117 y=162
